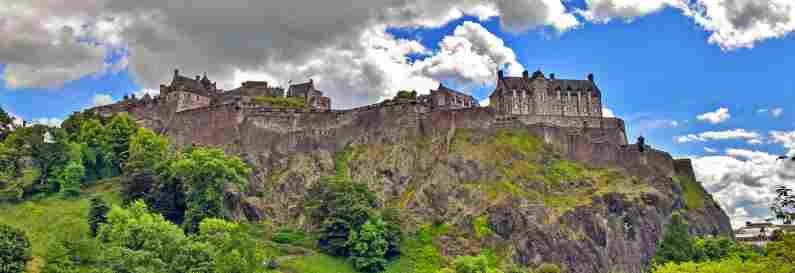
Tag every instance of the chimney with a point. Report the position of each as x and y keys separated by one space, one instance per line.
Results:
x=198 y=77
x=552 y=76
x=526 y=75
x=499 y=74
x=176 y=72
x=590 y=77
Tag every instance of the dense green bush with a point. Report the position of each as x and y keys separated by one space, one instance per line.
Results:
x=14 y=250
x=368 y=246
x=676 y=244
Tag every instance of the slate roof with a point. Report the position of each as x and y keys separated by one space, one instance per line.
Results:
x=554 y=84
x=446 y=89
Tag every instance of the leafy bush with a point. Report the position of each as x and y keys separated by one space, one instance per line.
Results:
x=14 y=250
x=97 y=214
x=676 y=244
x=287 y=102
x=368 y=245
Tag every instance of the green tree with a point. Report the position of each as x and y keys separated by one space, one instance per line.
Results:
x=71 y=178
x=340 y=206
x=6 y=124
x=97 y=214
x=14 y=250
x=676 y=244
x=368 y=246
x=234 y=250
x=204 y=173
x=149 y=152
x=120 y=128
x=98 y=150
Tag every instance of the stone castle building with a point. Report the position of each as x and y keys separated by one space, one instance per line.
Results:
x=539 y=95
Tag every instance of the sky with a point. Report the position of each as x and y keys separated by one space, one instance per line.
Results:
x=710 y=80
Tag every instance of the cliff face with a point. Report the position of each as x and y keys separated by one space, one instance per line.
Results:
x=530 y=189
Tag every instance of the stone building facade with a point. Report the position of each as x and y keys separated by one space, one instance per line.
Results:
x=446 y=98
x=314 y=98
x=539 y=95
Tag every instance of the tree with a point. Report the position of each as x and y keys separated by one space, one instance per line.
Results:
x=147 y=153
x=97 y=214
x=234 y=250
x=340 y=206
x=71 y=178
x=676 y=244
x=14 y=250
x=204 y=173
x=98 y=150
x=6 y=124
x=368 y=246
x=120 y=128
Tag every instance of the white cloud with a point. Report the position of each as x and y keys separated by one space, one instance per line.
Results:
x=152 y=92
x=52 y=122
x=710 y=150
x=485 y=102
x=608 y=113
x=719 y=116
x=602 y=11
x=787 y=139
x=777 y=112
x=742 y=181
x=102 y=99
x=733 y=24
x=752 y=137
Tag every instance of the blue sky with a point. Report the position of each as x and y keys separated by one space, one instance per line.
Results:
x=658 y=64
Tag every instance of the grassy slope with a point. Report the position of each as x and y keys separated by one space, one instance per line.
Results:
x=45 y=219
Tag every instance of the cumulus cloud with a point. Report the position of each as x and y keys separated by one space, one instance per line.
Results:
x=52 y=122
x=733 y=24
x=40 y=45
x=719 y=116
x=608 y=113
x=742 y=181
x=710 y=150
x=102 y=99
x=787 y=139
x=286 y=40
x=750 y=136
x=603 y=11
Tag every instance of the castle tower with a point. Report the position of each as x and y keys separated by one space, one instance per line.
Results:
x=538 y=95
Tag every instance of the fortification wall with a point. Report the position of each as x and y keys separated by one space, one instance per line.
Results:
x=259 y=133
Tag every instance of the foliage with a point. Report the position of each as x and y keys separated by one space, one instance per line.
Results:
x=204 y=173
x=70 y=179
x=147 y=150
x=419 y=254
x=233 y=249
x=287 y=102
x=676 y=244
x=405 y=94
x=288 y=236
x=340 y=207
x=6 y=124
x=317 y=263
x=693 y=193
x=480 y=224
x=14 y=250
x=368 y=246
x=548 y=268
x=120 y=129
x=713 y=249
x=97 y=214
x=473 y=264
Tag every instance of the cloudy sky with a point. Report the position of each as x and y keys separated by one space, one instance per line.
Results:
x=708 y=79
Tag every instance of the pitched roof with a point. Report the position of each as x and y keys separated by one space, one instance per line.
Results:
x=554 y=84
x=446 y=89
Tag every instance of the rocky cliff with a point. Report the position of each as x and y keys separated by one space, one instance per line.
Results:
x=528 y=189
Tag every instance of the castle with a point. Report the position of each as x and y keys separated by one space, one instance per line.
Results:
x=252 y=119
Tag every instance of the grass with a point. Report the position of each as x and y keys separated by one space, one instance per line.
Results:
x=45 y=219
x=693 y=192
x=287 y=102
x=317 y=263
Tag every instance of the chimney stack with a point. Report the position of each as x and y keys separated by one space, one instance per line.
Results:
x=499 y=74
x=525 y=75
x=552 y=76
x=590 y=77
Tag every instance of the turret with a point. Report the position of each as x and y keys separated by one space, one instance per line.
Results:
x=590 y=77
x=500 y=75
x=525 y=75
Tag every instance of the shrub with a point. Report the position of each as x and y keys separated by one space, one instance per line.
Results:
x=14 y=250
x=288 y=236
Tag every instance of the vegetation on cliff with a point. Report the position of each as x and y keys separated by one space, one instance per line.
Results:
x=286 y=102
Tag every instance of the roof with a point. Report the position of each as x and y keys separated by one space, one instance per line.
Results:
x=554 y=84
x=190 y=85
